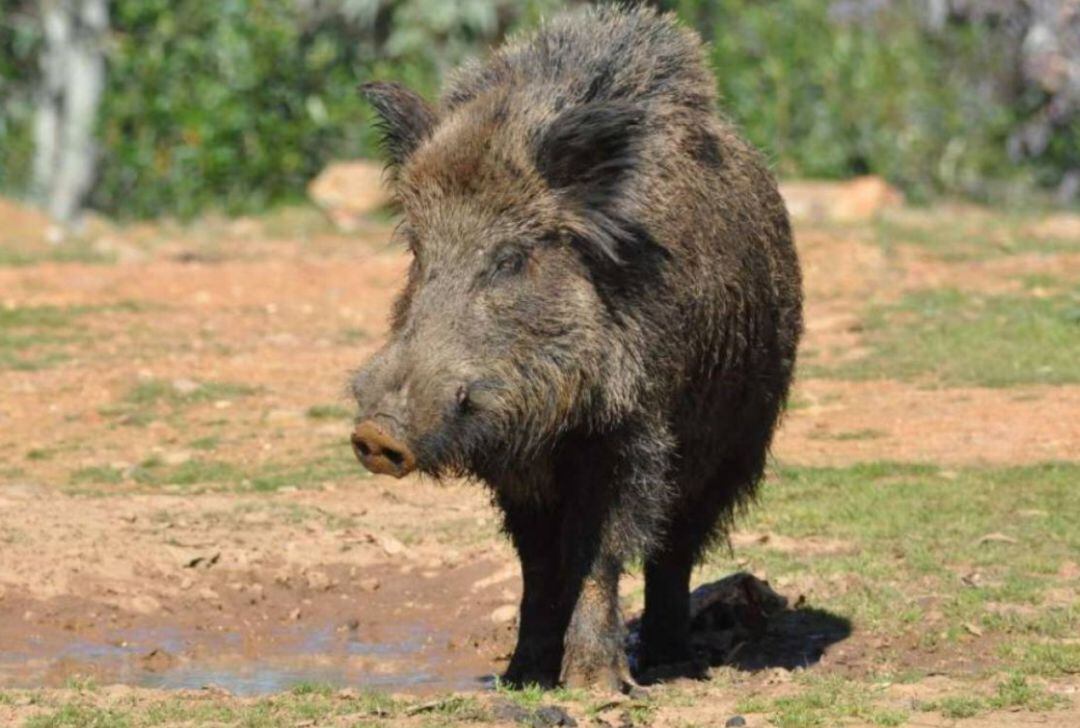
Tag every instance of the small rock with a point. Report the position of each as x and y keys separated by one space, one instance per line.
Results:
x=145 y=604
x=204 y=561
x=158 y=660
x=123 y=252
x=370 y=585
x=508 y=712
x=294 y=615
x=285 y=416
x=391 y=546
x=859 y=199
x=318 y=581
x=179 y=457
x=552 y=715
x=735 y=721
x=505 y=613
x=1065 y=226
x=346 y=191
x=185 y=387
x=996 y=538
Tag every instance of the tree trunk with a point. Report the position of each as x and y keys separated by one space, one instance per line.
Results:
x=73 y=81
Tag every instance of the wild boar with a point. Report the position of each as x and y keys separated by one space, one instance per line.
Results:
x=599 y=322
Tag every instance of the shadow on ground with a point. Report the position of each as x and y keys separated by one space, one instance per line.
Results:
x=739 y=621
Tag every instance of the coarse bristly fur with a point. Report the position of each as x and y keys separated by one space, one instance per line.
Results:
x=600 y=320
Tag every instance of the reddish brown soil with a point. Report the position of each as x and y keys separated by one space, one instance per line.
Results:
x=346 y=578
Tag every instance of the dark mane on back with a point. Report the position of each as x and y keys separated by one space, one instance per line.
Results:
x=605 y=53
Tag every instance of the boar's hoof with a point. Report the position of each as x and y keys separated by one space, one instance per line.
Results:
x=597 y=678
x=522 y=677
x=380 y=452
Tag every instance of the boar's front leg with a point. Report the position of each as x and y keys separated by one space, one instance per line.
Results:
x=534 y=530
x=594 y=656
x=617 y=499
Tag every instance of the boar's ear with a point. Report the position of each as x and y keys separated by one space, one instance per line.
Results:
x=590 y=147
x=587 y=152
x=405 y=119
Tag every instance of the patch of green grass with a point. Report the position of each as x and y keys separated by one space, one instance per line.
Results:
x=328 y=412
x=76 y=716
x=193 y=472
x=40 y=453
x=1047 y=659
x=354 y=335
x=534 y=696
x=1017 y=692
x=152 y=399
x=305 y=704
x=958 y=706
x=11 y=473
x=155 y=391
x=1014 y=693
x=1043 y=282
x=36 y=337
x=752 y=704
x=948 y=337
x=99 y=474
x=310 y=688
x=338 y=465
x=828 y=700
x=69 y=252
x=458 y=708
x=207 y=444
x=177 y=712
x=916 y=534
x=30 y=336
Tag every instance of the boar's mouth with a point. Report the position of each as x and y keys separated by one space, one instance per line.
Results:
x=465 y=447
x=467 y=438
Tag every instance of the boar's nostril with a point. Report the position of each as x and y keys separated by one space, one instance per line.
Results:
x=380 y=452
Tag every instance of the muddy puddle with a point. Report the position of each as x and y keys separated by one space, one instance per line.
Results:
x=415 y=635
x=412 y=658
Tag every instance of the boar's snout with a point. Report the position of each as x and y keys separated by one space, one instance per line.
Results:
x=381 y=452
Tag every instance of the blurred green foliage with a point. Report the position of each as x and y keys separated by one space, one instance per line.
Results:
x=831 y=94
x=20 y=37
x=236 y=104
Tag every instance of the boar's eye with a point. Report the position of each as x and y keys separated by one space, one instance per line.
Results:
x=507 y=261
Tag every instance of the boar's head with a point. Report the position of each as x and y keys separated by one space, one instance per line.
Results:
x=506 y=334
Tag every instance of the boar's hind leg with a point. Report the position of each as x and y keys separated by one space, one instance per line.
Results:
x=544 y=611
x=665 y=625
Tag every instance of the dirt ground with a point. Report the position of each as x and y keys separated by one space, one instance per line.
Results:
x=178 y=508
